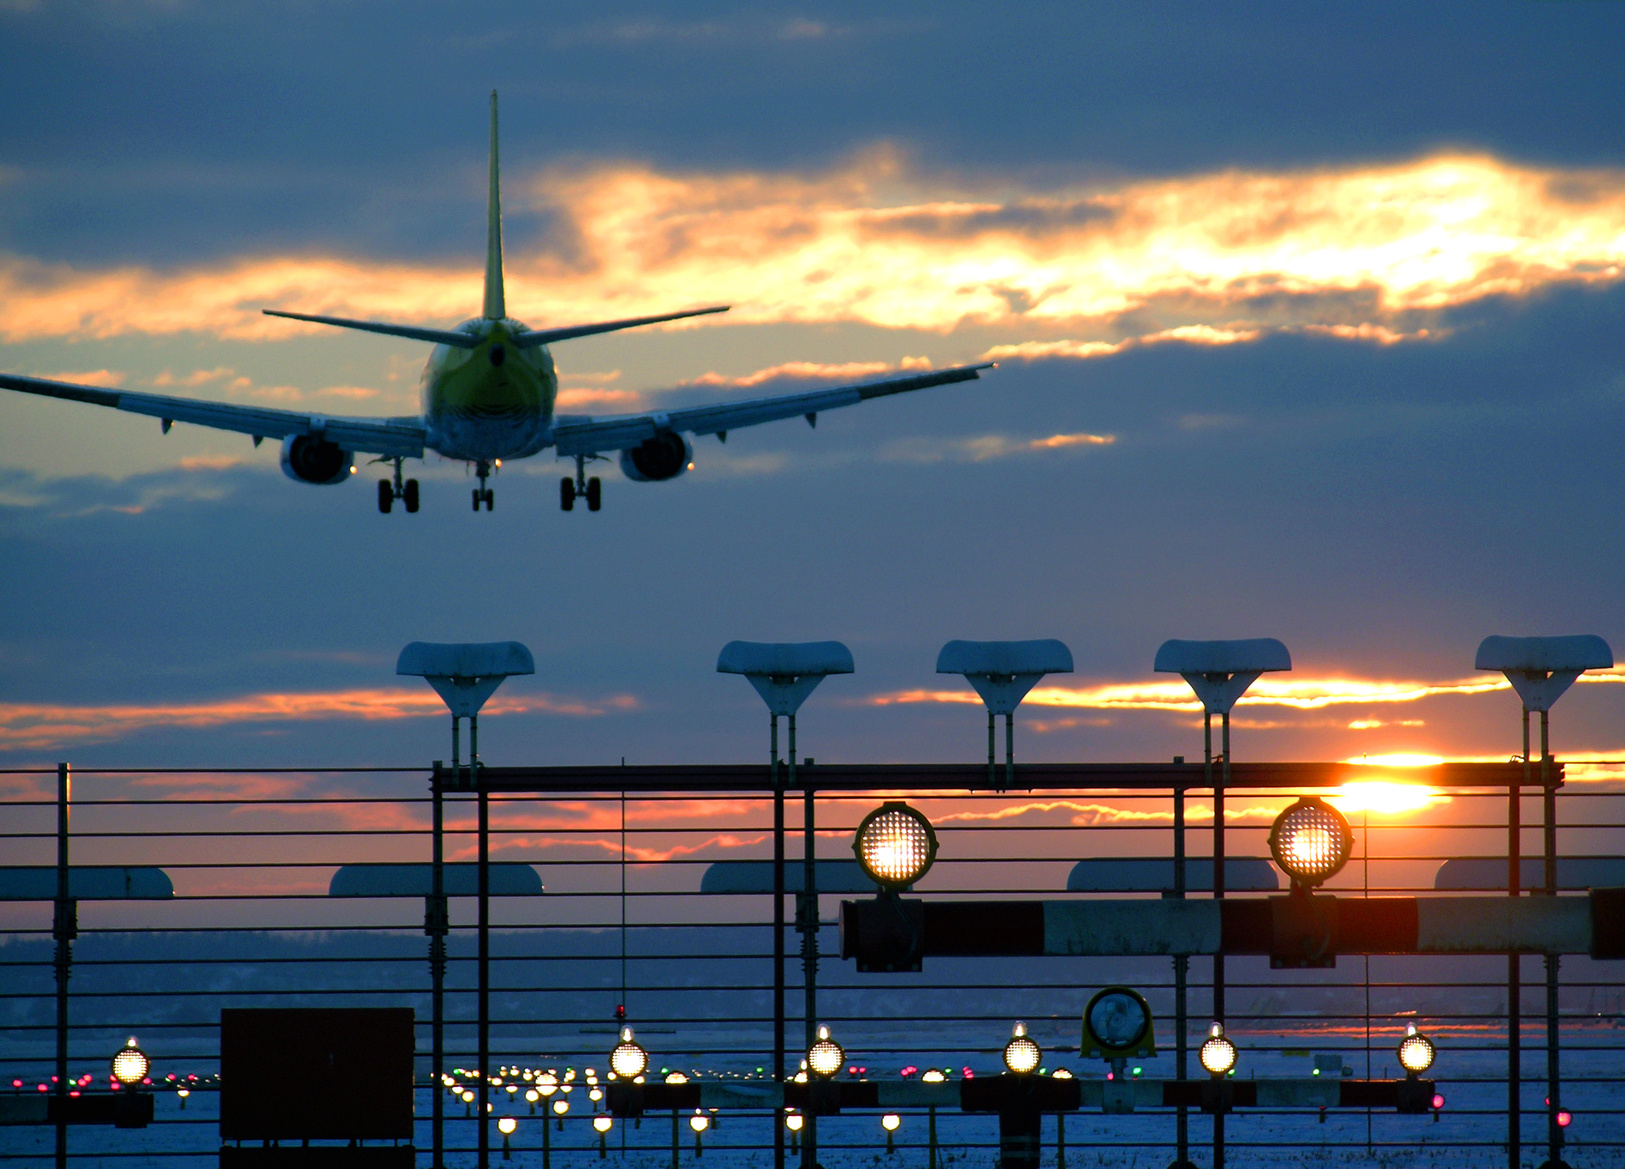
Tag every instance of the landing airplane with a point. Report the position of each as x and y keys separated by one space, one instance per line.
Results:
x=488 y=394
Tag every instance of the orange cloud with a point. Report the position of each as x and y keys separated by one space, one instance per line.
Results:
x=197 y=377
x=1270 y=690
x=841 y=371
x=1208 y=259
x=38 y=726
x=89 y=377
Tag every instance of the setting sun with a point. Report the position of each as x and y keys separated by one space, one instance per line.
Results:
x=1385 y=798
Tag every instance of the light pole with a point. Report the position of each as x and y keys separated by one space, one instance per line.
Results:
x=784 y=674
x=464 y=675
x=1540 y=669
x=1220 y=673
x=1002 y=672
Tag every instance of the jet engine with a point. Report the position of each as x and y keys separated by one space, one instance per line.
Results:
x=309 y=459
x=665 y=456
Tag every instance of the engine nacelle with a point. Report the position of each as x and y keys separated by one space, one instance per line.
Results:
x=309 y=459
x=665 y=456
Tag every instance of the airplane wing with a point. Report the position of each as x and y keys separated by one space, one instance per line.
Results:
x=576 y=435
x=391 y=437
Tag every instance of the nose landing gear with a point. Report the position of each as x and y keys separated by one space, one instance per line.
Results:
x=389 y=490
x=570 y=488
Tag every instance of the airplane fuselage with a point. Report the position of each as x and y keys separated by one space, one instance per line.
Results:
x=494 y=401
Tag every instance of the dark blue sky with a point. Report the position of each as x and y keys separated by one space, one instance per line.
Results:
x=1380 y=507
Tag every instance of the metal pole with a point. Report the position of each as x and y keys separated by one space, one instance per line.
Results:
x=483 y=1156
x=1181 y=989
x=1009 y=750
x=1554 y=1132
x=437 y=926
x=778 y=940
x=809 y=940
x=1218 y=894
x=64 y=929
x=992 y=775
x=1514 y=989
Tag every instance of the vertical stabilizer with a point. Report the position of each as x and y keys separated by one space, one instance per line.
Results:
x=495 y=307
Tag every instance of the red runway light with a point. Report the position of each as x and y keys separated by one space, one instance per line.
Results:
x=1564 y=1119
x=1438 y=1102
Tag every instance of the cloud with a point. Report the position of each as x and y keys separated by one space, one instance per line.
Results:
x=981 y=448
x=39 y=726
x=197 y=377
x=1295 y=693
x=839 y=371
x=1365 y=252
x=92 y=377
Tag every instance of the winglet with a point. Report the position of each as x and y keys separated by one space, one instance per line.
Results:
x=495 y=308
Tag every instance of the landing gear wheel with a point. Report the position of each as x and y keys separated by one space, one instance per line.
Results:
x=476 y=499
x=386 y=495
x=594 y=494
x=490 y=499
x=410 y=495
x=567 y=494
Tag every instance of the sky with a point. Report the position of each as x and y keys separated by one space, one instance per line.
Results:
x=1308 y=325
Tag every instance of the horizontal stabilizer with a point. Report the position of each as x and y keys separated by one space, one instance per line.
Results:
x=433 y=336
x=532 y=337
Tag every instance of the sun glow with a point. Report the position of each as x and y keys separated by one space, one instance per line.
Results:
x=1386 y=799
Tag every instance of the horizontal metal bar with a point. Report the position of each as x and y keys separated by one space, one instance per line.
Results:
x=889 y=933
x=926 y=777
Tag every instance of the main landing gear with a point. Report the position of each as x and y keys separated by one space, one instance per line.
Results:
x=581 y=485
x=482 y=493
x=389 y=490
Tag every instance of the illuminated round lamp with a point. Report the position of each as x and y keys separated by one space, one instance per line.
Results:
x=561 y=1106
x=131 y=1065
x=1415 y=1052
x=1060 y=1074
x=891 y=1122
x=1218 y=1054
x=602 y=1122
x=825 y=1057
x=1117 y=1025
x=794 y=1121
x=676 y=1078
x=1564 y=1118
x=1438 y=1101
x=933 y=1076
x=512 y=1088
x=629 y=1060
x=506 y=1126
x=1311 y=841
x=699 y=1122
x=1021 y=1054
x=895 y=845
x=183 y=1093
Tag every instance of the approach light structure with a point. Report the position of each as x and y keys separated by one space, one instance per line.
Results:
x=895 y=845
x=629 y=1059
x=1021 y=1054
x=1218 y=1054
x=1311 y=841
x=1117 y=1025
x=825 y=1057
x=130 y=1064
x=1415 y=1052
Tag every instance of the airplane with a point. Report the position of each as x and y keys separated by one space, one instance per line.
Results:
x=488 y=394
